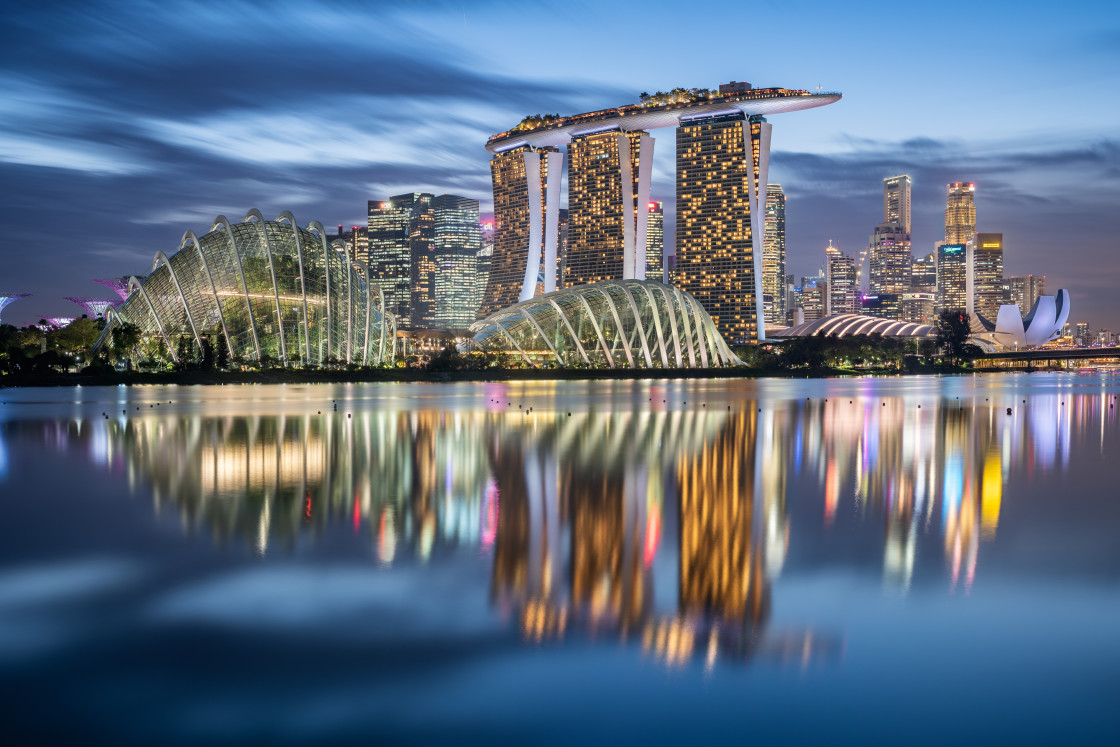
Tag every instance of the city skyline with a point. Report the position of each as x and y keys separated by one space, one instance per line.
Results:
x=161 y=142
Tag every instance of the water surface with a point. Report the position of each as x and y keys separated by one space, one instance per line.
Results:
x=919 y=559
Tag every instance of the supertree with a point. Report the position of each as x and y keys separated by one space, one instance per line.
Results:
x=95 y=307
x=7 y=298
x=117 y=285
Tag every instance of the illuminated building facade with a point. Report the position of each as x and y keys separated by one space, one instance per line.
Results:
x=814 y=300
x=608 y=205
x=390 y=258
x=917 y=307
x=960 y=212
x=987 y=274
x=526 y=184
x=952 y=277
x=923 y=273
x=843 y=282
x=7 y=298
x=882 y=305
x=774 y=256
x=896 y=202
x=718 y=178
x=655 y=243
x=1024 y=290
x=720 y=263
x=457 y=241
x=889 y=260
x=266 y=290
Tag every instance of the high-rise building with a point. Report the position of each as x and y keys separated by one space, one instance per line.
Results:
x=896 y=202
x=987 y=274
x=923 y=273
x=917 y=307
x=608 y=199
x=390 y=256
x=655 y=242
x=814 y=300
x=526 y=189
x=960 y=212
x=843 y=282
x=721 y=163
x=457 y=243
x=889 y=260
x=952 y=277
x=1024 y=290
x=774 y=256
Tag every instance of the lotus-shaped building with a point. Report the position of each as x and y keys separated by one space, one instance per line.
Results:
x=264 y=290
x=613 y=324
x=1013 y=331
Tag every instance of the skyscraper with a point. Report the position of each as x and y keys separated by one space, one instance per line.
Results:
x=608 y=198
x=774 y=256
x=889 y=259
x=843 y=282
x=390 y=259
x=721 y=163
x=655 y=243
x=987 y=273
x=896 y=202
x=526 y=184
x=952 y=277
x=923 y=273
x=960 y=212
x=1024 y=290
x=457 y=242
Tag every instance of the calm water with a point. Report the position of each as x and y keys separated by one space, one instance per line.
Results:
x=807 y=561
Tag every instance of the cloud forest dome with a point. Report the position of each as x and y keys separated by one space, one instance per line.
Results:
x=263 y=289
x=613 y=324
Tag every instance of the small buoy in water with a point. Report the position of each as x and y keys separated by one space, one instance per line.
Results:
x=1008 y=410
x=919 y=407
x=347 y=414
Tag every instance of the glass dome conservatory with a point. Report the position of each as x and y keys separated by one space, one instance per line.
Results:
x=613 y=324
x=264 y=290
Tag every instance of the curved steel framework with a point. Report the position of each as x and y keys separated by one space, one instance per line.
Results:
x=844 y=325
x=7 y=298
x=264 y=289
x=631 y=323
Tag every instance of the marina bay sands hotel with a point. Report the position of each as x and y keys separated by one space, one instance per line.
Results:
x=722 y=164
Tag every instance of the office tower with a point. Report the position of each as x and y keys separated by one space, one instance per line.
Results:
x=789 y=291
x=814 y=300
x=987 y=274
x=655 y=242
x=526 y=203
x=952 y=277
x=457 y=242
x=923 y=273
x=482 y=272
x=881 y=305
x=960 y=212
x=917 y=307
x=843 y=282
x=774 y=256
x=561 y=245
x=390 y=257
x=608 y=199
x=357 y=238
x=721 y=163
x=1024 y=290
x=1081 y=335
x=896 y=202
x=889 y=260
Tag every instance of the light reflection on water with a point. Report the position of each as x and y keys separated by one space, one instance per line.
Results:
x=662 y=516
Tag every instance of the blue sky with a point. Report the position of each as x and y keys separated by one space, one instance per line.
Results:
x=124 y=124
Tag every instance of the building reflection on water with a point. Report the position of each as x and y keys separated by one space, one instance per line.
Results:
x=583 y=514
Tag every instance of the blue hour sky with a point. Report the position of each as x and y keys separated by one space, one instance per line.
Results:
x=123 y=124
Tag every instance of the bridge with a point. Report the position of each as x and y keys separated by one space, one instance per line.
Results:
x=1048 y=357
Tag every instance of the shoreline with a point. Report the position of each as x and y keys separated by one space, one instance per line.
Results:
x=300 y=376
